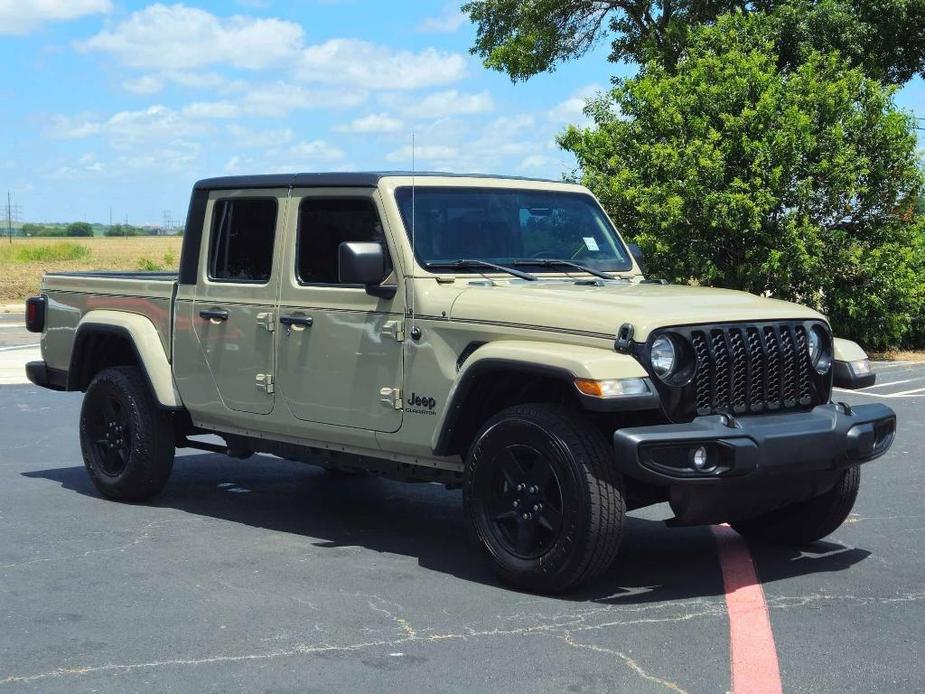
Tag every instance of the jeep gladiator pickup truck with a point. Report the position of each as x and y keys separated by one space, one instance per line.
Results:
x=489 y=333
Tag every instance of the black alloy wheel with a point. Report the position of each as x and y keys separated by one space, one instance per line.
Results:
x=523 y=500
x=127 y=440
x=542 y=496
x=112 y=435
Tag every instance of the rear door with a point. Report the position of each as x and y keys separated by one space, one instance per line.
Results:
x=340 y=349
x=234 y=313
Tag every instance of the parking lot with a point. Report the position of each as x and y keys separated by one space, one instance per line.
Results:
x=265 y=575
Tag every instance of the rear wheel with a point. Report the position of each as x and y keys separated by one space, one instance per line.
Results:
x=126 y=440
x=543 y=498
x=806 y=521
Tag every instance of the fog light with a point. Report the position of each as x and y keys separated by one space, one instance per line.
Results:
x=699 y=458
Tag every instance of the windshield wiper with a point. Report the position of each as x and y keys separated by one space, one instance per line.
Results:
x=553 y=262
x=471 y=262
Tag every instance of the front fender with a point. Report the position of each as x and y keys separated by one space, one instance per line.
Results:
x=567 y=362
x=144 y=338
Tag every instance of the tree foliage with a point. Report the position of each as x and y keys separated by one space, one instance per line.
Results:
x=732 y=172
x=526 y=37
x=79 y=229
x=124 y=230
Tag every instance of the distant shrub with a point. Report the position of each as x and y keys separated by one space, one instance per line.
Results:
x=148 y=265
x=170 y=259
x=63 y=250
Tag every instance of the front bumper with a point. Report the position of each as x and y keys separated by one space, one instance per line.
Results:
x=828 y=437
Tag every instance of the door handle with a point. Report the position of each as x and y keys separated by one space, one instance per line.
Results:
x=302 y=321
x=214 y=314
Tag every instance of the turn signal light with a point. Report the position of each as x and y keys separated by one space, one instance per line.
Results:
x=612 y=388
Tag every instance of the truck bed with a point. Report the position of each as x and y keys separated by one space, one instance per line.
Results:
x=72 y=295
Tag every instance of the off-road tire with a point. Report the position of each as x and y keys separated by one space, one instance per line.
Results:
x=592 y=499
x=148 y=436
x=805 y=521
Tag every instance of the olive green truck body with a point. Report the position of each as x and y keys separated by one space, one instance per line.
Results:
x=387 y=322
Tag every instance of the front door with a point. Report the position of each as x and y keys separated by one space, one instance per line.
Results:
x=339 y=349
x=234 y=313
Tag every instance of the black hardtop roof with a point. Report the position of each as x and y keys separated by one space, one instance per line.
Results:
x=334 y=179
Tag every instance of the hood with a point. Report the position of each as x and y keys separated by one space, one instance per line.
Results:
x=601 y=310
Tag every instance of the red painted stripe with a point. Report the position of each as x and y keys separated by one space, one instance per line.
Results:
x=753 y=655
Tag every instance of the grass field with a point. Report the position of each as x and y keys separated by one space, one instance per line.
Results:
x=23 y=262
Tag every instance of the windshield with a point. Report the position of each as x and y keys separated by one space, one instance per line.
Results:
x=503 y=226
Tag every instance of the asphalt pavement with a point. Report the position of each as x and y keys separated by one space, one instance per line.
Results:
x=266 y=575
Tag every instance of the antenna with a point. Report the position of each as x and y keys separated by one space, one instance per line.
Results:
x=413 y=254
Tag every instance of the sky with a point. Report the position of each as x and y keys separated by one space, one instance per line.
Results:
x=120 y=105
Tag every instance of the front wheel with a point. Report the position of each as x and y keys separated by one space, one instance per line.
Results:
x=542 y=496
x=126 y=440
x=805 y=521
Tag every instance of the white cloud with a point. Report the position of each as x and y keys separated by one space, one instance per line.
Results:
x=210 y=109
x=155 y=82
x=572 y=109
x=540 y=162
x=279 y=98
x=441 y=104
x=155 y=123
x=87 y=164
x=373 y=123
x=302 y=156
x=146 y=84
x=23 y=16
x=178 y=155
x=91 y=163
x=178 y=37
x=316 y=150
x=446 y=23
x=67 y=128
x=259 y=138
x=366 y=65
x=424 y=153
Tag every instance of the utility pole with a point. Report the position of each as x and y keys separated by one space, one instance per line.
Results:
x=12 y=215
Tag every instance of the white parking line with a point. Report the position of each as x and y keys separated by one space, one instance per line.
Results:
x=918 y=393
x=13 y=348
x=13 y=364
x=908 y=392
x=12 y=325
x=893 y=383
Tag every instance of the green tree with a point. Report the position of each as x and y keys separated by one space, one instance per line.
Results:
x=526 y=37
x=122 y=230
x=79 y=229
x=732 y=172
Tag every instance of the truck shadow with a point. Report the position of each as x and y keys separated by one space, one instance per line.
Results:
x=656 y=563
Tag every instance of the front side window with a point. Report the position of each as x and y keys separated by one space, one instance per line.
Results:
x=503 y=226
x=325 y=223
x=241 y=244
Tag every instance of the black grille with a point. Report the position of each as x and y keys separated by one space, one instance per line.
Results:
x=743 y=369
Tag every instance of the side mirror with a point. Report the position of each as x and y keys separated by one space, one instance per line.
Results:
x=637 y=254
x=364 y=263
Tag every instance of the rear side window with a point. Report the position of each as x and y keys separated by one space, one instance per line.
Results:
x=241 y=245
x=325 y=223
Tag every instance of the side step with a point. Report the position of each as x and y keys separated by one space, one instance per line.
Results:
x=231 y=451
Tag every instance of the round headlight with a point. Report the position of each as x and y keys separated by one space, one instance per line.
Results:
x=817 y=345
x=814 y=344
x=664 y=356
